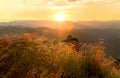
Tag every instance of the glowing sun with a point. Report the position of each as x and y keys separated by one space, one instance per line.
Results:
x=60 y=17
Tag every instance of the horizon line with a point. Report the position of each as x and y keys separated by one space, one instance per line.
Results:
x=59 y=21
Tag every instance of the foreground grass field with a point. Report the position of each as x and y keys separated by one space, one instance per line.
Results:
x=33 y=56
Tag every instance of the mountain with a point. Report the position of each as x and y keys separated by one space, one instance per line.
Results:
x=66 y=24
x=37 y=23
x=85 y=31
x=115 y=24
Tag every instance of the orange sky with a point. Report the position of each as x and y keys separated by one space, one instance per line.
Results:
x=75 y=10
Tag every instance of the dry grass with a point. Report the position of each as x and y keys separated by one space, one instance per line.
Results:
x=32 y=56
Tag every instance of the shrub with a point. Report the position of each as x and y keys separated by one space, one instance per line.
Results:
x=34 y=56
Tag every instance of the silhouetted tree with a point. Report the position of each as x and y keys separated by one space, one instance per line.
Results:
x=74 y=41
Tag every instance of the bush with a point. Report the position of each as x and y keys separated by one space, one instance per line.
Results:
x=34 y=56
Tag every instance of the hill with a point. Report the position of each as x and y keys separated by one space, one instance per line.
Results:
x=33 y=56
x=85 y=31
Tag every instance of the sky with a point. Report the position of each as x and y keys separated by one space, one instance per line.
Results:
x=75 y=10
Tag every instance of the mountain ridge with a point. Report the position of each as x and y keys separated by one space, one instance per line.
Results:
x=53 y=24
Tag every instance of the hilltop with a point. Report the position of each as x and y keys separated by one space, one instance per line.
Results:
x=85 y=31
x=33 y=56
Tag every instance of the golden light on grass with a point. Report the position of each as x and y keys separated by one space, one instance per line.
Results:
x=60 y=17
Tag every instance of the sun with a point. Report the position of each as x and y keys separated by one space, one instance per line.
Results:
x=60 y=17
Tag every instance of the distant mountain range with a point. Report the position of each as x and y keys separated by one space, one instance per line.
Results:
x=66 y=24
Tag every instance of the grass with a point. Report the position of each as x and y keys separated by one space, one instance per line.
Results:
x=34 y=56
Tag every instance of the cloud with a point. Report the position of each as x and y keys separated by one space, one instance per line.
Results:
x=71 y=0
x=70 y=3
x=48 y=2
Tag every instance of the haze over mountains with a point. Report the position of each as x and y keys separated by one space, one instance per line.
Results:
x=85 y=31
x=53 y=24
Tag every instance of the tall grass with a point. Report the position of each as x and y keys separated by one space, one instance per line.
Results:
x=33 y=56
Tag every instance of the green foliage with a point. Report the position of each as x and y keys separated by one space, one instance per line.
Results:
x=32 y=56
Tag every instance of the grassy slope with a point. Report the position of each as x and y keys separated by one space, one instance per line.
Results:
x=110 y=36
x=32 y=56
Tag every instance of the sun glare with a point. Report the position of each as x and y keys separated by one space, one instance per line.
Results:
x=60 y=17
